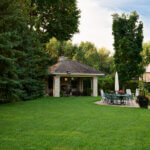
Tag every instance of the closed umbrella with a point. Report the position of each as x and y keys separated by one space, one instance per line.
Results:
x=116 y=82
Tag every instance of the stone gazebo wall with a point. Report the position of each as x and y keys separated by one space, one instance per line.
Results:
x=56 y=86
x=71 y=68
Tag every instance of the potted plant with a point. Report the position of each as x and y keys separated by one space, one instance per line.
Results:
x=142 y=100
x=62 y=93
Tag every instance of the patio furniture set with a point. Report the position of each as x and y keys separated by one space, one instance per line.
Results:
x=118 y=98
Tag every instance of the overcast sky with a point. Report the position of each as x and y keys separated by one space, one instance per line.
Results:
x=96 y=20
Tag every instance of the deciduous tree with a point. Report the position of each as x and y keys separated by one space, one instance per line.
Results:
x=128 y=38
x=53 y=18
x=146 y=53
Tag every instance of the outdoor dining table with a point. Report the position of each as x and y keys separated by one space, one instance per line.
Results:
x=122 y=97
x=116 y=97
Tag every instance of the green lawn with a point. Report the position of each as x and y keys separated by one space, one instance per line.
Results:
x=72 y=124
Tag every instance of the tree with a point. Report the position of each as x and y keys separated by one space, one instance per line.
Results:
x=23 y=62
x=91 y=57
x=56 y=48
x=53 y=18
x=9 y=41
x=106 y=60
x=128 y=38
x=86 y=53
x=146 y=53
x=32 y=67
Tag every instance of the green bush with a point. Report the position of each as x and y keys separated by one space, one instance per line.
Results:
x=133 y=85
x=89 y=91
x=107 y=84
x=147 y=86
x=142 y=101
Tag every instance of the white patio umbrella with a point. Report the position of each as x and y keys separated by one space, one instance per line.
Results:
x=116 y=82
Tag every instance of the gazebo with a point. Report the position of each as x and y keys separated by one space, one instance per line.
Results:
x=66 y=68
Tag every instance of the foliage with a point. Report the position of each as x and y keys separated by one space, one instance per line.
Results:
x=146 y=53
x=107 y=83
x=133 y=85
x=53 y=18
x=143 y=101
x=128 y=38
x=106 y=61
x=9 y=42
x=23 y=63
x=57 y=48
x=86 y=53
x=89 y=91
x=33 y=70
x=62 y=93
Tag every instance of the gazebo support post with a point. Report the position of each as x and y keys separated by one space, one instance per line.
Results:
x=81 y=85
x=94 y=86
x=56 y=86
x=47 y=88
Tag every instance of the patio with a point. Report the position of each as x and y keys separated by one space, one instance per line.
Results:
x=129 y=104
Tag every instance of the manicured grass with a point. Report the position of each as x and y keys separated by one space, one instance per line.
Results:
x=72 y=124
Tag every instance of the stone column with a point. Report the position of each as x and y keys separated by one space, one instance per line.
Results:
x=94 y=86
x=47 y=91
x=56 y=86
x=91 y=86
x=81 y=85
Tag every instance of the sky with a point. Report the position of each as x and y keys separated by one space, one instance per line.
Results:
x=96 y=19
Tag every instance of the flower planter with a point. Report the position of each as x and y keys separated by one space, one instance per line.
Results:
x=143 y=101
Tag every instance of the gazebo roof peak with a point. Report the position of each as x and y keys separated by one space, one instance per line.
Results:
x=70 y=67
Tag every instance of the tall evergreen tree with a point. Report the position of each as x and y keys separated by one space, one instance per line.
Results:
x=32 y=67
x=9 y=40
x=128 y=38
x=23 y=62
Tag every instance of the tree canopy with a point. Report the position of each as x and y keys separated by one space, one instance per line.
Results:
x=23 y=62
x=85 y=52
x=25 y=27
x=146 y=53
x=53 y=18
x=128 y=38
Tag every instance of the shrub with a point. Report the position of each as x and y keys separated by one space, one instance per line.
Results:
x=62 y=93
x=133 y=85
x=143 y=101
x=89 y=90
x=107 y=84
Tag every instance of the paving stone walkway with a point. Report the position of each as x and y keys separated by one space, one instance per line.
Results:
x=131 y=103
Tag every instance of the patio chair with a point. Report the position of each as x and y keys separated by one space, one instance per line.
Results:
x=102 y=95
x=128 y=91
x=107 y=97
x=115 y=99
x=137 y=92
x=131 y=96
x=127 y=98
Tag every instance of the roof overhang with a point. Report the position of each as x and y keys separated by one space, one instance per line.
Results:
x=78 y=74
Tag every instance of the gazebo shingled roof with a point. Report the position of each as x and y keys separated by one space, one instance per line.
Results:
x=66 y=66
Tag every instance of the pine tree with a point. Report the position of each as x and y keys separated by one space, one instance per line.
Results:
x=9 y=40
x=33 y=67
x=23 y=62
